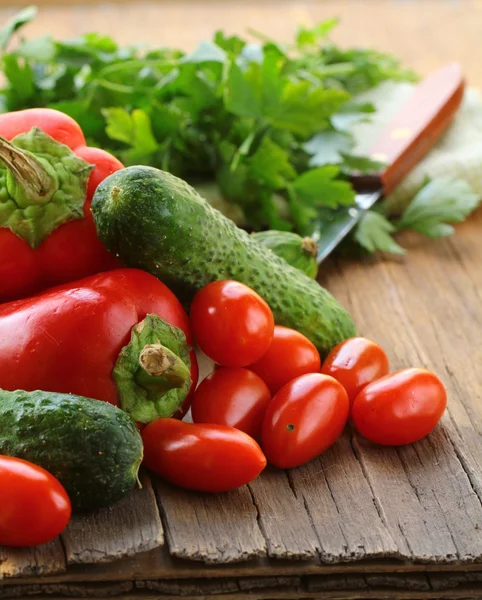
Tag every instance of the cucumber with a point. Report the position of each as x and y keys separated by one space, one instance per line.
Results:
x=297 y=251
x=93 y=448
x=154 y=221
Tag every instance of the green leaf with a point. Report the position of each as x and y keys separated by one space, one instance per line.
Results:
x=374 y=233
x=327 y=147
x=232 y=44
x=206 y=52
x=305 y=109
x=12 y=25
x=239 y=95
x=20 y=77
x=133 y=129
x=270 y=165
x=38 y=49
x=309 y=37
x=119 y=124
x=439 y=202
x=319 y=187
x=362 y=164
x=351 y=113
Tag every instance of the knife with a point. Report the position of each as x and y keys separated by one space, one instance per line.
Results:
x=411 y=133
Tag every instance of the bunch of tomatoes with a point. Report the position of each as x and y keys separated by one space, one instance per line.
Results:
x=271 y=399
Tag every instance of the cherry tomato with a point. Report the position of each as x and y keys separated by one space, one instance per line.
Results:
x=207 y=458
x=232 y=396
x=304 y=418
x=355 y=363
x=232 y=324
x=34 y=507
x=400 y=408
x=289 y=355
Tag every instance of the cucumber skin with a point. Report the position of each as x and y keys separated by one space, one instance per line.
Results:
x=93 y=448
x=152 y=220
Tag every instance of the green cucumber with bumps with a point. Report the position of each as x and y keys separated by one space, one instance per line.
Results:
x=154 y=221
x=93 y=448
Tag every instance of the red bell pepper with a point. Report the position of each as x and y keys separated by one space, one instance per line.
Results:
x=120 y=336
x=47 y=235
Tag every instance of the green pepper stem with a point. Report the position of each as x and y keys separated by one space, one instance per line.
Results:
x=160 y=369
x=27 y=171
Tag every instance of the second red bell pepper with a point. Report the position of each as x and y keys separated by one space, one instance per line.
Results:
x=47 y=181
x=120 y=336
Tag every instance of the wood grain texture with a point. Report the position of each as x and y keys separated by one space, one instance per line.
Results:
x=342 y=507
x=32 y=562
x=210 y=527
x=131 y=526
x=468 y=592
x=283 y=519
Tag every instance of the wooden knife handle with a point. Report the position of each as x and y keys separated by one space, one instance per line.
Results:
x=418 y=124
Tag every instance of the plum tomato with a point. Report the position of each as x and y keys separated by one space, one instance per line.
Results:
x=303 y=419
x=232 y=324
x=35 y=508
x=206 y=458
x=232 y=396
x=289 y=355
x=400 y=408
x=355 y=363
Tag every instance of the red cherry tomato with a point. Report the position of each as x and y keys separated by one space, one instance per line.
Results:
x=232 y=324
x=34 y=507
x=304 y=418
x=400 y=408
x=289 y=355
x=207 y=458
x=355 y=363
x=232 y=396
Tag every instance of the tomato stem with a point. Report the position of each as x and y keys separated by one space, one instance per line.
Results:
x=160 y=369
x=27 y=172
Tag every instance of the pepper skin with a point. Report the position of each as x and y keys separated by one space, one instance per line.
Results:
x=72 y=250
x=68 y=339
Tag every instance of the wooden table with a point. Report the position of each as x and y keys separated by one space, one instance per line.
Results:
x=360 y=521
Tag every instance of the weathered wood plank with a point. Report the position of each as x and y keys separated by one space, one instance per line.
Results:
x=220 y=528
x=131 y=526
x=277 y=504
x=416 y=531
x=341 y=506
x=444 y=489
x=48 y=559
x=90 y=590
x=158 y=564
x=191 y=587
x=472 y=592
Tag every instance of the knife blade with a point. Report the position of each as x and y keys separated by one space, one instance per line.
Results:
x=410 y=134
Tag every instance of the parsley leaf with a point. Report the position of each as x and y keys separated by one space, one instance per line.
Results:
x=314 y=189
x=440 y=202
x=374 y=233
x=328 y=147
x=17 y=21
x=133 y=129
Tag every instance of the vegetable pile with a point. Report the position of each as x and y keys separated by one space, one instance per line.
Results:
x=98 y=372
